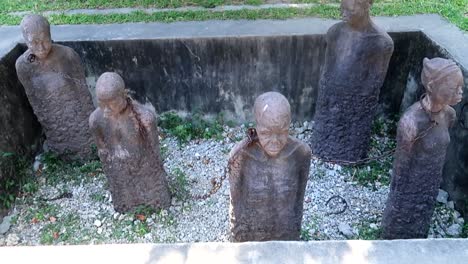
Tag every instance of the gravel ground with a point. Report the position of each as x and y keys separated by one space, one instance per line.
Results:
x=87 y=217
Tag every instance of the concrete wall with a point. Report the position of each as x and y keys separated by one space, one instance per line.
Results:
x=19 y=129
x=215 y=75
x=215 y=66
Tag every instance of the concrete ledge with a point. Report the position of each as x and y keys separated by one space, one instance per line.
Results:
x=446 y=35
x=452 y=251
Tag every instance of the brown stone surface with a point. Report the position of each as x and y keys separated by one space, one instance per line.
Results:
x=268 y=175
x=356 y=62
x=126 y=135
x=54 y=81
x=422 y=140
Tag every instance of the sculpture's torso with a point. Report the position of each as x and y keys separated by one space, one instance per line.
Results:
x=57 y=91
x=267 y=195
x=355 y=67
x=417 y=174
x=131 y=159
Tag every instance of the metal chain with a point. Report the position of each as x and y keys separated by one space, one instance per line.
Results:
x=217 y=184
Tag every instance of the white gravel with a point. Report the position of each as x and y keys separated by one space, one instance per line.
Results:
x=89 y=218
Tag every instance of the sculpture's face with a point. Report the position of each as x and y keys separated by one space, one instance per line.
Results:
x=272 y=137
x=450 y=90
x=113 y=105
x=353 y=11
x=39 y=44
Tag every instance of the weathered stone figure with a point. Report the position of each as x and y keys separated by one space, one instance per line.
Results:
x=54 y=80
x=356 y=62
x=268 y=175
x=126 y=135
x=422 y=140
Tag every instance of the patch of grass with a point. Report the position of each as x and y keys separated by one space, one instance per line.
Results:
x=454 y=10
x=25 y=5
x=15 y=178
x=310 y=231
x=368 y=233
x=98 y=197
x=464 y=233
x=381 y=146
x=179 y=184
x=42 y=212
x=56 y=171
x=191 y=127
x=62 y=230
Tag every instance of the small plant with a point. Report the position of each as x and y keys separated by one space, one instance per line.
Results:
x=179 y=184
x=98 y=197
x=15 y=177
x=368 y=233
x=191 y=127
x=91 y=168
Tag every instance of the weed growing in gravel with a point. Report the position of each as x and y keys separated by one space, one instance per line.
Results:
x=382 y=142
x=98 y=197
x=42 y=212
x=464 y=233
x=368 y=233
x=56 y=171
x=191 y=127
x=61 y=229
x=310 y=231
x=179 y=184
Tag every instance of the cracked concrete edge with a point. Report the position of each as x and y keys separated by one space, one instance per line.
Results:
x=454 y=251
x=443 y=33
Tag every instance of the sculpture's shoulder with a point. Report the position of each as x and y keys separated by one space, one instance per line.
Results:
x=335 y=30
x=238 y=149
x=450 y=114
x=22 y=65
x=298 y=148
x=65 y=53
x=383 y=40
x=146 y=113
x=408 y=125
x=95 y=119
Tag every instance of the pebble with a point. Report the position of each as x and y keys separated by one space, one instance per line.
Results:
x=454 y=230
x=442 y=197
x=346 y=230
x=12 y=240
x=6 y=224
x=208 y=220
x=97 y=223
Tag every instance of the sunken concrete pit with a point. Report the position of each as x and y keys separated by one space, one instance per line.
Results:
x=221 y=66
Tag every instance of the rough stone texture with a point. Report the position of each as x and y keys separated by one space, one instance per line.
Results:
x=54 y=81
x=20 y=130
x=268 y=175
x=356 y=62
x=422 y=140
x=128 y=147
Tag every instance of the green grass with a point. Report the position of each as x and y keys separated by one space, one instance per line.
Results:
x=191 y=127
x=456 y=11
x=179 y=184
x=16 y=178
x=377 y=171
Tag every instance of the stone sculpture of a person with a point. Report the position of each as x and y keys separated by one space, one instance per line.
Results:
x=268 y=174
x=126 y=136
x=356 y=62
x=54 y=81
x=422 y=140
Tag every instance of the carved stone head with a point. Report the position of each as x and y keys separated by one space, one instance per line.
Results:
x=443 y=81
x=354 y=12
x=36 y=34
x=110 y=93
x=273 y=116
